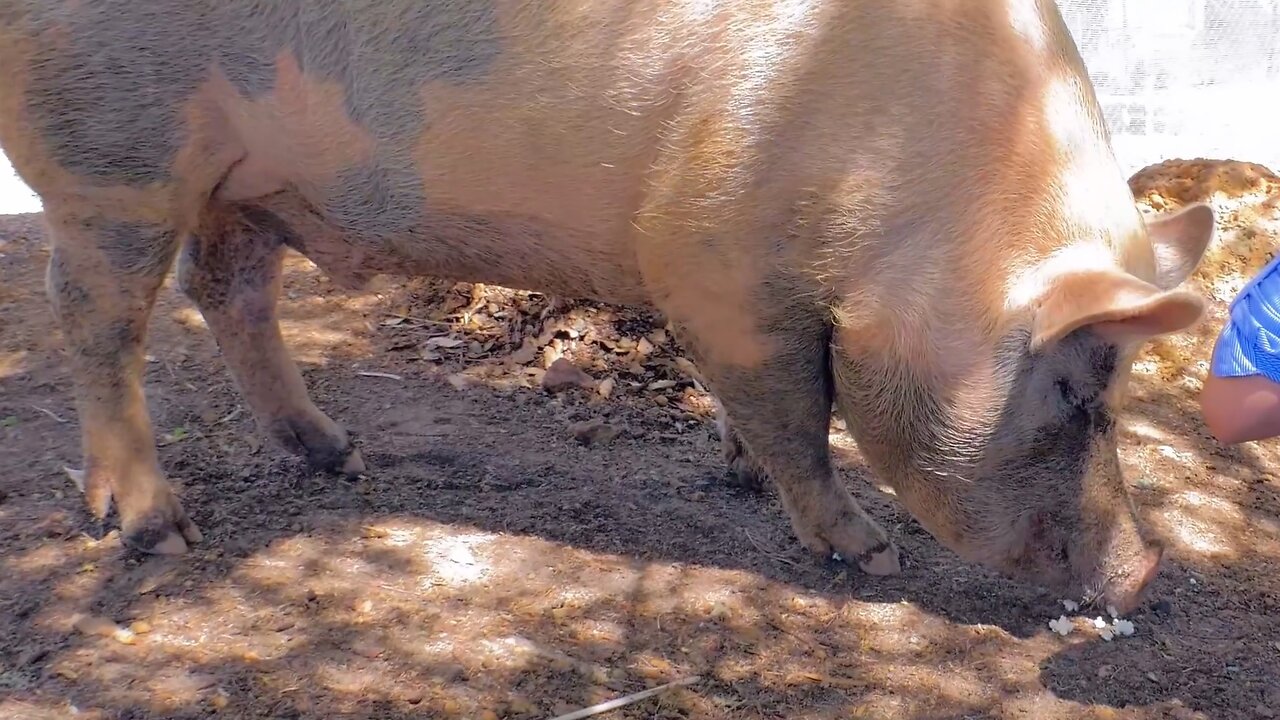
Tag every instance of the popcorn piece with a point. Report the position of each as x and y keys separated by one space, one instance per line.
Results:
x=1107 y=633
x=1124 y=627
x=1062 y=626
x=1070 y=605
x=1099 y=623
x=1111 y=610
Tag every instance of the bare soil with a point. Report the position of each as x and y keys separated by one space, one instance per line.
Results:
x=503 y=561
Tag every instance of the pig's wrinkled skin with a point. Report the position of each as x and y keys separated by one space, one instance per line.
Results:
x=907 y=208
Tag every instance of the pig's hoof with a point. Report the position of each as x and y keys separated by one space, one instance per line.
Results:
x=163 y=533
x=883 y=559
x=353 y=466
x=325 y=444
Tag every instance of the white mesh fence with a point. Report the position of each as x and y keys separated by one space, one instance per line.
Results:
x=1184 y=78
x=1176 y=78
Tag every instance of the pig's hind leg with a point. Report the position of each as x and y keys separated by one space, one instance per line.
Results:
x=232 y=268
x=743 y=470
x=102 y=281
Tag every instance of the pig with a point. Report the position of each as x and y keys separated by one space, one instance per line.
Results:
x=906 y=211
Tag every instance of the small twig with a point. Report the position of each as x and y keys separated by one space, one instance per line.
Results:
x=767 y=553
x=370 y=373
x=51 y=414
x=625 y=700
x=229 y=416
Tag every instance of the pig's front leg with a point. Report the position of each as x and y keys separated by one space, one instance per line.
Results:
x=780 y=407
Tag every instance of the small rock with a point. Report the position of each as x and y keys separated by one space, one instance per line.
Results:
x=606 y=387
x=367 y=648
x=594 y=432
x=364 y=607
x=563 y=375
x=140 y=627
x=1163 y=608
x=644 y=347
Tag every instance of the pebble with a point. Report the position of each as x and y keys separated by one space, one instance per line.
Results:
x=594 y=432
x=367 y=648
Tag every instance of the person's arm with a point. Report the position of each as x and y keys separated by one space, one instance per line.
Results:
x=1241 y=409
x=1240 y=401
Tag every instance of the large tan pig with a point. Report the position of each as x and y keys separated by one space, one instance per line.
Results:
x=905 y=208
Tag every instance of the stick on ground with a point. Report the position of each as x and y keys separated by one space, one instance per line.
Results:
x=625 y=700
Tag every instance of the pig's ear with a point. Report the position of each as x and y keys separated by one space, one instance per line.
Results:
x=1115 y=304
x=1179 y=240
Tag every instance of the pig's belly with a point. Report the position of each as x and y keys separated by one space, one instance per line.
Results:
x=353 y=240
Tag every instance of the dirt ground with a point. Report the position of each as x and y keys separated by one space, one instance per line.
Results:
x=501 y=560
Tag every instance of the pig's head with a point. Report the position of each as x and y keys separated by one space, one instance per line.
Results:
x=991 y=406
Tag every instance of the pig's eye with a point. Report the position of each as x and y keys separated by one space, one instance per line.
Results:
x=1065 y=392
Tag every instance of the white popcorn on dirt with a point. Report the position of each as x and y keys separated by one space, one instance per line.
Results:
x=1117 y=627
x=1063 y=625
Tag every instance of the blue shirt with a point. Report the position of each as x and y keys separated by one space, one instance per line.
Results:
x=1249 y=344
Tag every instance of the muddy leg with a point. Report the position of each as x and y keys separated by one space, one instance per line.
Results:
x=781 y=412
x=231 y=268
x=102 y=282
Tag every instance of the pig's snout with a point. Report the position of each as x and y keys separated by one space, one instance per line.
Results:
x=1126 y=588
